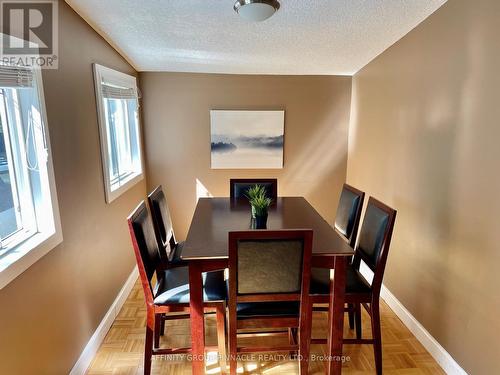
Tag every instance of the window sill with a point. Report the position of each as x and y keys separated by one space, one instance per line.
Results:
x=132 y=180
x=21 y=257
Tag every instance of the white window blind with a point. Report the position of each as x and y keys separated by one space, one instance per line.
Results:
x=110 y=91
x=16 y=76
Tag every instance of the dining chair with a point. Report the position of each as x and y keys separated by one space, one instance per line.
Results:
x=166 y=290
x=170 y=249
x=346 y=225
x=269 y=276
x=239 y=186
x=349 y=213
x=372 y=248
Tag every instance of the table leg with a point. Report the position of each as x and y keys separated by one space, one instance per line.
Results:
x=197 y=318
x=336 y=317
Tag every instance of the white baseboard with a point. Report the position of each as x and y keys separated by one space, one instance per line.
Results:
x=445 y=360
x=95 y=341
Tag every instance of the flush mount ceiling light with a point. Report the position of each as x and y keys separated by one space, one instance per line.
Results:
x=256 y=10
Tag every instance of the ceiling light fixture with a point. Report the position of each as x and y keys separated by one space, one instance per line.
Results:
x=256 y=10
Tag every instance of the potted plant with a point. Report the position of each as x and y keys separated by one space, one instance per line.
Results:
x=260 y=205
x=254 y=192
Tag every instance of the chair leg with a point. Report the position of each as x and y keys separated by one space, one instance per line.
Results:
x=292 y=340
x=305 y=339
x=221 y=335
x=377 y=339
x=148 y=346
x=162 y=325
x=350 y=313
x=158 y=321
x=295 y=332
x=233 y=347
x=357 y=319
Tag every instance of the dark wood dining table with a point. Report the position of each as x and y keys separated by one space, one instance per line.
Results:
x=206 y=249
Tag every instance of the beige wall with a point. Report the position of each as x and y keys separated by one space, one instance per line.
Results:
x=177 y=135
x=424 y=138
x=48 y=313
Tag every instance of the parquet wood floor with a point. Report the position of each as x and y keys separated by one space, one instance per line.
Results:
x=122 y=350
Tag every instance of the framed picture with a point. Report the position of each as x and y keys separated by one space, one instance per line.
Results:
x=247 y=139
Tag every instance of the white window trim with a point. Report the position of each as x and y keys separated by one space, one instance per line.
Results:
x=128 y=81
x=21 y=257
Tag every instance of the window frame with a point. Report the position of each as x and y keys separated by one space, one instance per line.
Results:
x=102 y=73
x=20 y=255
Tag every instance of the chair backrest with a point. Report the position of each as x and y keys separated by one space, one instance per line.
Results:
x=162 y=222
x=239 y=186
x=269 y=265
x=349 y=213
x=375 y=239
x=145 y=248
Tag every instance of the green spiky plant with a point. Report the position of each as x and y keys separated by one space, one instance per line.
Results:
x=261 y=204
x=256 y=195
x=255 y=191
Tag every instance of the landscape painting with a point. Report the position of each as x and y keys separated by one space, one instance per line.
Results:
x=247 y=139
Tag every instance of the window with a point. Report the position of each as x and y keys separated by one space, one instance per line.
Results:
x=118 y=113
x=29 y=218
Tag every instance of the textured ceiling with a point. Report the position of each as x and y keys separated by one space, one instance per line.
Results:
x=303 y=37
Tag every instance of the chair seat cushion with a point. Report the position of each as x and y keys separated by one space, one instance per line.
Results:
x=173 y=287
x=265 y=309
x=355 y=283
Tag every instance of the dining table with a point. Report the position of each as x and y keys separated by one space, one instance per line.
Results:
x=206 y=249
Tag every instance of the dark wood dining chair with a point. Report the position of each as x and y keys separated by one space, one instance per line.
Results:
x=349 y=213
x=346 y=225
x=372 y=248
x=170 y=249
x=239 y=186
x=269 y=276
x=166 y=290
